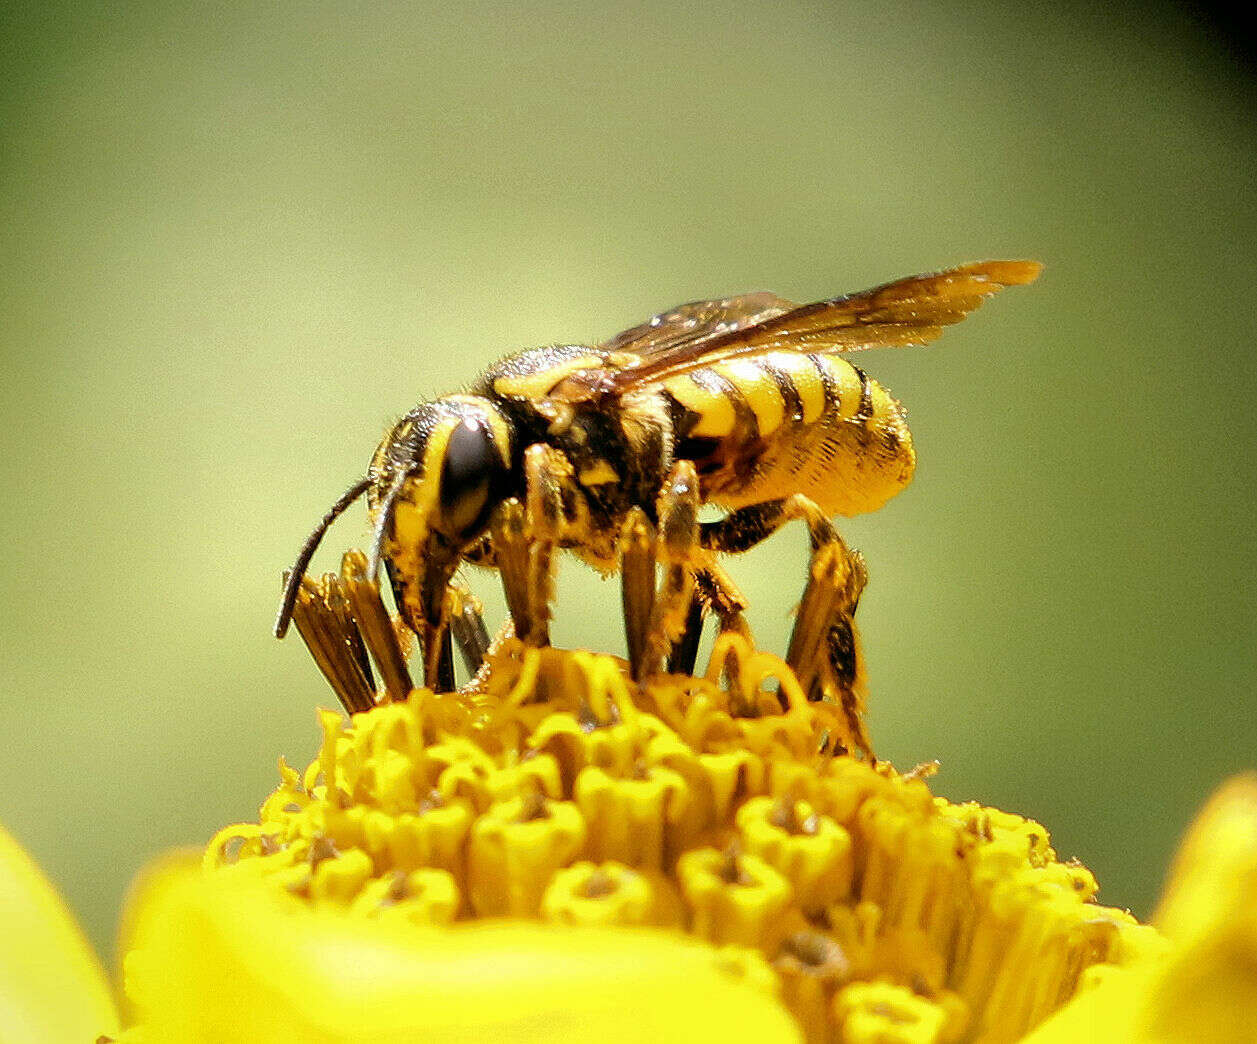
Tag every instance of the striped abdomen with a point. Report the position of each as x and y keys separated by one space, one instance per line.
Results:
x=786 y=422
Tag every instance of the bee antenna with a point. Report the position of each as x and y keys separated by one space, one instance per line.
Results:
x=293 y=580
x=382 y=524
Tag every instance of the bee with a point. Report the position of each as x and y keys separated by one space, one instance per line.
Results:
x=750 y=398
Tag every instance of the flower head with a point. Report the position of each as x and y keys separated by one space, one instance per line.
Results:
x=572 y=847
x=570 y=804
x=567 y=855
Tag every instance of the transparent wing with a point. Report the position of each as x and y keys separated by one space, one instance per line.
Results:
x=907 y=312
x=697 y=321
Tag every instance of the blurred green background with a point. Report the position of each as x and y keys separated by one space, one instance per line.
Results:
x=239 y=239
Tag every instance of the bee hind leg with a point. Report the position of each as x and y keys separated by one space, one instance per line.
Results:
x=824 y=651
x=742 y=529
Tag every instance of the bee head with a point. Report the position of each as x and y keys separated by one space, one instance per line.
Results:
x=435 y=481
x=431 y=488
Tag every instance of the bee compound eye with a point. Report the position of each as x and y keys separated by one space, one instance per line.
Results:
x=470 y=472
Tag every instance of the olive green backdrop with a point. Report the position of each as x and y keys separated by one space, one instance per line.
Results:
x=237 y=240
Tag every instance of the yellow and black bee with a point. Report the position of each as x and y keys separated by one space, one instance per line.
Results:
x=747 y=396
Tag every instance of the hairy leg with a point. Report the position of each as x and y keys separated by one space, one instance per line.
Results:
x=824 y=650
x=742 y=529
x=524 y=537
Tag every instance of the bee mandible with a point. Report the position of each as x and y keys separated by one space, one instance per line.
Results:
x=750 y=396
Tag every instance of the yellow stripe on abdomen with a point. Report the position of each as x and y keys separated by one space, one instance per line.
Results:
x=840 y=437
x=715 y=412
x=802 y=373
x=844 y=384
x=886 y=411
x=758 y=390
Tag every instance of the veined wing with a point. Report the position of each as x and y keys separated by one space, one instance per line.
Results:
x=697 y=321
x=907 y=312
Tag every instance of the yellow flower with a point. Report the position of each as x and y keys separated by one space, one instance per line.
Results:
x=217 y=958
x=564 y=855
x=51 y=985
x=601 y=820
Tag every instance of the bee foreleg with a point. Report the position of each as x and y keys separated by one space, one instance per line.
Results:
x=513 y=554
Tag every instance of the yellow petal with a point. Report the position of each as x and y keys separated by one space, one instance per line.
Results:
x=1205 y=987
x=220 y=957
x=1208 y=987
x=1106 y=1012
x=52 y=987
x=150 y=891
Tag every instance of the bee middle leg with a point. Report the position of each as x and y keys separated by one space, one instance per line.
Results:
x=712 y=590
x=663 y=619
x=741 y=530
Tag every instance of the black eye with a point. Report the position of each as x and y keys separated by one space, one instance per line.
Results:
x=470 y=472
